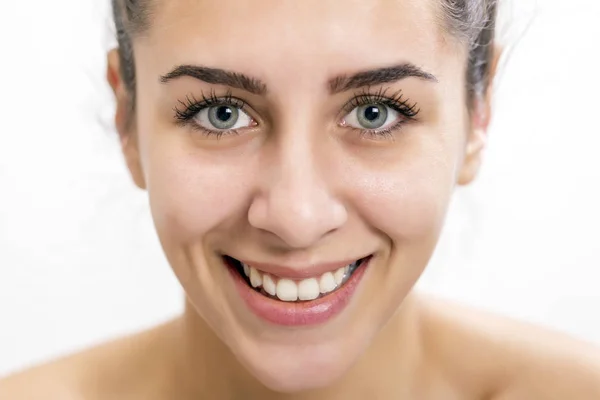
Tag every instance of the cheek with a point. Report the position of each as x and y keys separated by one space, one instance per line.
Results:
x=407 y=200
x=191 y=194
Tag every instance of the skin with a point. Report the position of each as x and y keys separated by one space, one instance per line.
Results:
x=302 y=188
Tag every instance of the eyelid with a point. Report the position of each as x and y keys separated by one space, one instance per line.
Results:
x=407 y=112
x=397 y=101
x=191 y=106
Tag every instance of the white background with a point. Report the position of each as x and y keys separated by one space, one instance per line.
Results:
x=79 y=261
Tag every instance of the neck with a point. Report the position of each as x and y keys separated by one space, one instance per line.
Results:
x=206 y=368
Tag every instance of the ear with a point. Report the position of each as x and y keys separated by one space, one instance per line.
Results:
x=124 y=119
x=478 y=130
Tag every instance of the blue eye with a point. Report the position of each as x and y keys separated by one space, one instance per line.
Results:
x=372 y=117
x=223 y=118
x=214 y=115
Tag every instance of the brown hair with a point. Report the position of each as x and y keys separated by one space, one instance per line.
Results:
x=472 y=21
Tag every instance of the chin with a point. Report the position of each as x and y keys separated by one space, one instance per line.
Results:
x=299 y=369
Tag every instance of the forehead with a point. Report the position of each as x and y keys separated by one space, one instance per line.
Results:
x=306 y=37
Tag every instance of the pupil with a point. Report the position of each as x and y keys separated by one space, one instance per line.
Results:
x=224 y=114
x=372 y=113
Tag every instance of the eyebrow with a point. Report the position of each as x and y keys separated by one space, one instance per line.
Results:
x=217 y=76
x=342 y=83
x=378 y=76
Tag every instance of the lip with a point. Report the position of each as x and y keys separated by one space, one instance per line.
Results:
x=298 y=314
x=299 y=273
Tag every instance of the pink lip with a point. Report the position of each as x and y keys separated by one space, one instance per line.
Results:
x=299 y=314
x=299 y=273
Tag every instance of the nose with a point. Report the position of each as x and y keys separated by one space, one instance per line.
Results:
x=295 y=203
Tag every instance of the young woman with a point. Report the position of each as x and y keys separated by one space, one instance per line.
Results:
x=299 y=158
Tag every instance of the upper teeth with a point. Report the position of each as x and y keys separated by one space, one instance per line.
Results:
x=289 y=290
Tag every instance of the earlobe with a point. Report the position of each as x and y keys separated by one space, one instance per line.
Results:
x=473 y=157
x=129 y=147
x=126 y=130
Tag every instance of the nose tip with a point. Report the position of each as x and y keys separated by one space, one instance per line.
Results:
x=299 y=219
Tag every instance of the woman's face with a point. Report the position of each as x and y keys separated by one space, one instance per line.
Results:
x=299 y=137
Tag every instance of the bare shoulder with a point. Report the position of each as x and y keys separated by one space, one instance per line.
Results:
x=502 y=359
x=52 y=380
x=110 y=370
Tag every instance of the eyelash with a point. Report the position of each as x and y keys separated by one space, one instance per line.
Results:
x=396 y=102
x=192 y=107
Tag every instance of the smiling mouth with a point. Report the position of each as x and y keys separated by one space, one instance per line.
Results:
x=291 y=290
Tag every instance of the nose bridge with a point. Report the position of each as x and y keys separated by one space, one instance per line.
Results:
x=296 y=202
x=299 y=183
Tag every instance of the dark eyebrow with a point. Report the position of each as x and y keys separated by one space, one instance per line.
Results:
x=378 y=77
x=217 y=76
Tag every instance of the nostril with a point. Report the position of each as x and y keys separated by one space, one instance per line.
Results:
x=298 y=227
